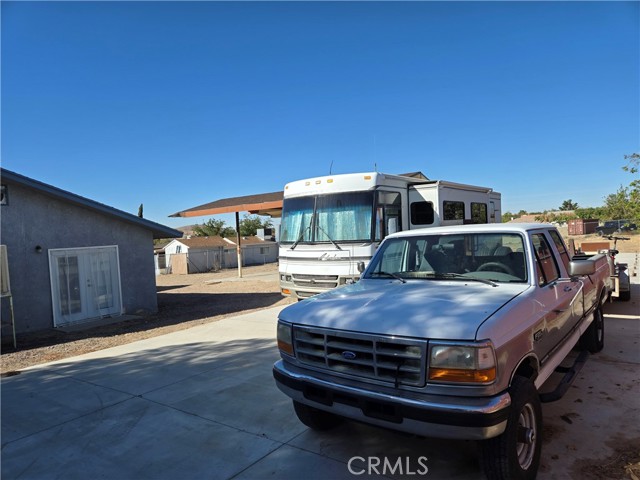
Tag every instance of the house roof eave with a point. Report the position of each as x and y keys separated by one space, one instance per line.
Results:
x=158 y=230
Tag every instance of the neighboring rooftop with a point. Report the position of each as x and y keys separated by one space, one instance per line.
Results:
x=206 y=242
x=217 y=241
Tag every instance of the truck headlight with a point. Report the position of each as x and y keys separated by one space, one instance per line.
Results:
x=285 y=342
x=462 y=364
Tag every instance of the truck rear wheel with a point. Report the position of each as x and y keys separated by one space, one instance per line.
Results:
x=516 y=453
x=592 y=339
x=316 y=419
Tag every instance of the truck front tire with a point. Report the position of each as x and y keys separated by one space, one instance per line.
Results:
x=515 y=455
x=316 y=419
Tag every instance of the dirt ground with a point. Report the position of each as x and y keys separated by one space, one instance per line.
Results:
x=183 y=302
x=624 y=246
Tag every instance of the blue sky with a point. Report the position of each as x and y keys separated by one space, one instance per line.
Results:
x=176 y=104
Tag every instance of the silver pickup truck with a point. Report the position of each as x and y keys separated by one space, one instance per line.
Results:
x=450 y=333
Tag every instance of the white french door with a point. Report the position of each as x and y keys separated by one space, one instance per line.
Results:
x=85 y=284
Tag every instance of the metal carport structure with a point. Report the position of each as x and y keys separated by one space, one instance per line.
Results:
x=261 y=204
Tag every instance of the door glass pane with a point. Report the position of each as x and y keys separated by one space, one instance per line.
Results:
x=101 y=280
x=69 y=282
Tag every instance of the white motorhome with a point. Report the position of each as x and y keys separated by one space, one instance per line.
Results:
x=330 y=224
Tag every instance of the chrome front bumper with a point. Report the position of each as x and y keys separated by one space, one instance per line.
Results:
x=468 y=418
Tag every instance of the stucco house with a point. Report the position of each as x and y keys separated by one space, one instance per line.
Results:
x=72 y=260
x=205 y=254
x=258 y=251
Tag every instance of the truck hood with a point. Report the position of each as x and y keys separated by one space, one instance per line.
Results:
x=439 y=309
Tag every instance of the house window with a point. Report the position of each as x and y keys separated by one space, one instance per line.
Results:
x=422 y=213
x=264 y=250
x=453 y=210
x=4 y=197
x=179 y=249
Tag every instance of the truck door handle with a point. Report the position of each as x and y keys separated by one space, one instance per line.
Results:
x=568 y=289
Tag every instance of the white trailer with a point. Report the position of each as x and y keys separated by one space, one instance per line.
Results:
x=332 y=223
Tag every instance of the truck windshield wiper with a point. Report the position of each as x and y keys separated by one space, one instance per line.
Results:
x=330 y=239
x=295 y=244
x=387 y=274
x=465 y=277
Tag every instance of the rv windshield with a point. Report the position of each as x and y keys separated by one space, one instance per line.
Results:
x=338 y=217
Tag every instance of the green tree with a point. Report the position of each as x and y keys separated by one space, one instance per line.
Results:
x=508 y=216
x=625 y=203
x=212 y=228
x=590 y=213
x=140 y=209
x=619 y=205
x=568 y=205
x=250 y=224
x=633 y=163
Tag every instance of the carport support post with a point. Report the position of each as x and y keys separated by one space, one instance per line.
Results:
x=238 y=246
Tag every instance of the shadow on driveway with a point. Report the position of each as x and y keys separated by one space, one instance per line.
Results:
x=196 y=410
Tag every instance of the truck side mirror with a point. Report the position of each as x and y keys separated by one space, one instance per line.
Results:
x=361 y=267
x=581 y=268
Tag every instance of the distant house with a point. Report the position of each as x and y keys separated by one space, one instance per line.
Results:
x=72 y=260
x=199 y=254
x=205 y=254
x=258 y=251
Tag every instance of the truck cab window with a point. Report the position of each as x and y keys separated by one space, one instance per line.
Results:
x=546 y=266
x=564 y=255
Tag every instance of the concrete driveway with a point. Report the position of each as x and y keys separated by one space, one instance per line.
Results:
x=201 y=403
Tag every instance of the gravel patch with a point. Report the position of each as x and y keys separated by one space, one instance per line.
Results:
x=184 y=301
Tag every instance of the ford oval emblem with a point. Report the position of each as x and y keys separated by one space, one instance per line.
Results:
x=347 y=355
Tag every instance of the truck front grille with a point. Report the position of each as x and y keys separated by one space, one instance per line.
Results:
x=317 y=281
x=387 y=359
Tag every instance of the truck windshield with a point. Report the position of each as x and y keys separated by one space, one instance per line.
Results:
x=498 y=257
x=338 y=217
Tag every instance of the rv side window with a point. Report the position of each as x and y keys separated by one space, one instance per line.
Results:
x=478 y=212
x=388 y=218
x=422 y=213
x=453 y=210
